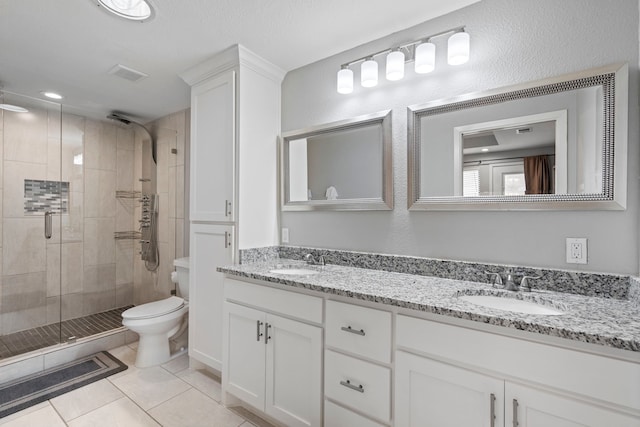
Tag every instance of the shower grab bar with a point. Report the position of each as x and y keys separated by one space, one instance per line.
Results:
x=47 y=224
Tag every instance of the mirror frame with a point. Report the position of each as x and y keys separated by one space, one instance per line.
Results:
x=385 y=202
x=615 y=81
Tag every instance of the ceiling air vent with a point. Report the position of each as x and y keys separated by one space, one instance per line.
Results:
x=127 y=73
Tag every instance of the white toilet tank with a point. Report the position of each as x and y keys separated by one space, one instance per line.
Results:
x=182 y=268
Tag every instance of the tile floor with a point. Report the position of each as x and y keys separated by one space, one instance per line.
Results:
x=168 y=395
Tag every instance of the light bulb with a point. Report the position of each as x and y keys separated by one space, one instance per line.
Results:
x=395 y=65
x=425 y=58
x=369 y=73
x=345 y=81
x=458 y=48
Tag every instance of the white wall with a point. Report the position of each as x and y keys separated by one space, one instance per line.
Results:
x=512 y=41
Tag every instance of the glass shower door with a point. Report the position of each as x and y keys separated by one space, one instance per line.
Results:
x=32 y=197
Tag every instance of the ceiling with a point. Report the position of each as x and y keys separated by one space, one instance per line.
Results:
x=68 y=46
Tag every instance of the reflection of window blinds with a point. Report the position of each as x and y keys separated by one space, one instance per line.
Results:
x=471 y=183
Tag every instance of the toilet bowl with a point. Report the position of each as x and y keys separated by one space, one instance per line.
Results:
x=156 y=322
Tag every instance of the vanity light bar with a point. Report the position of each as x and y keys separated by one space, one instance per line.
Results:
x=422 y=52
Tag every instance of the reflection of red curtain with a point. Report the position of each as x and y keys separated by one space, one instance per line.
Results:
x=537 y=175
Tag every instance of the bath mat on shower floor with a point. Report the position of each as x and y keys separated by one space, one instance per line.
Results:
x=28 y=391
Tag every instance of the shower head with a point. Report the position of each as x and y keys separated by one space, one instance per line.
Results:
x=118 y=118
x=127 y=122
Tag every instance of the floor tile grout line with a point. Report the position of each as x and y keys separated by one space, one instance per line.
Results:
x=57 y=412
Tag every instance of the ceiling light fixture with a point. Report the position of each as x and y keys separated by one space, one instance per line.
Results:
x=458 y=48
x=345 y=80
x=369 y=73
x=422 y=52
x=135 y=10
x=425 y=58
x=14 y=108
x=395 y=65
x=52 y=95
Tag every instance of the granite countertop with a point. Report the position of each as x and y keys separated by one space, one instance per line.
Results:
x=604 y=321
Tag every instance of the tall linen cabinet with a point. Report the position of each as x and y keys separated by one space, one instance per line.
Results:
x=235 y=123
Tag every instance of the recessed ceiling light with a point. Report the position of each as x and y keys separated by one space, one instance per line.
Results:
x=135 y=10
x=14 y=108
x=484 y=150
x=52 y=95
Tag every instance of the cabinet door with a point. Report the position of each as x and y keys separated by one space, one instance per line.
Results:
x=434 y=394
x=529 y=407
x=210 y=247
x=213 y=149
x=244 y=374
x=294 y=372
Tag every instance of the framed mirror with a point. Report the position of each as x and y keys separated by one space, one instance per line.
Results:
x=554 y=144
x=344 y=165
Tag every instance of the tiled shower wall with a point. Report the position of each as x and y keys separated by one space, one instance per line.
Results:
x=172 y=138
x=81 y=270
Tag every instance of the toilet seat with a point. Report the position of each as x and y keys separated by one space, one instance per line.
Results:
x=154 y=309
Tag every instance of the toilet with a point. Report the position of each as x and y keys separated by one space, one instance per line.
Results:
x=156 y=322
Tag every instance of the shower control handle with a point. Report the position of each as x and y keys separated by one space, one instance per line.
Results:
x=47 y=224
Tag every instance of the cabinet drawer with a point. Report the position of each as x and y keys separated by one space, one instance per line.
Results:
x=335 y=416
x=359 y=384
x=360 y=330
x=292 y=304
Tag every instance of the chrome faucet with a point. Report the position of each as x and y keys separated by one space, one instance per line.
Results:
x=509 y=283
x=524 y=283
x=312 y=261
x=497 y=281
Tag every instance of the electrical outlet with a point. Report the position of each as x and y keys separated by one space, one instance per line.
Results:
x=576 y=250
x=285 y=235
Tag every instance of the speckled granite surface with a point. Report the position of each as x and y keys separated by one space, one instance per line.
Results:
x=634 y=290
x=604 y=321
x=268 y=253
x=591 y=284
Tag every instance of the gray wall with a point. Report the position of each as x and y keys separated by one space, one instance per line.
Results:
x=512 y=41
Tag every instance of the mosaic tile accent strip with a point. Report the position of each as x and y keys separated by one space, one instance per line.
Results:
x=604 y=321
x=269 y=253
x=589 y=284
x=41 y=196
x=48 y=335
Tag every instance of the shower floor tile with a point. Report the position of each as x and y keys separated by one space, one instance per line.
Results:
x=48 y=335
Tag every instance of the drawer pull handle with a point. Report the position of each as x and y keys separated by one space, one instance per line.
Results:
x=348 y=384
x=258 y=332
x=492 y=411
x=353 y=331
x=515 y=413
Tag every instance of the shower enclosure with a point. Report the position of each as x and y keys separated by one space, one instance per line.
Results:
x=64 y=273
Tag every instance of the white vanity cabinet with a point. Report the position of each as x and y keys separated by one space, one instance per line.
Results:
x=430 y=393
x=451 y=376
x=212 y=162
x=273 y=355
x=235 y=121
x=530 y=407
x=357 y=370
x=207 y=242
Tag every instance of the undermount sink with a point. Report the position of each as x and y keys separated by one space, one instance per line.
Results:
x=511 y=304
x=294 y=271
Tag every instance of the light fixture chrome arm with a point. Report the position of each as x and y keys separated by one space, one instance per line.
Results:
x=406 y=47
